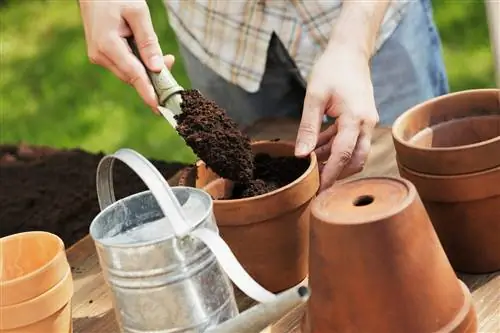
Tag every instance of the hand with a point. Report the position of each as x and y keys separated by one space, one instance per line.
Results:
x=340 y=86
x=106 y=25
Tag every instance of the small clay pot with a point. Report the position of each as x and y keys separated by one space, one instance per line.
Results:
x=454 y=134
x=269 y=233
x=376 y=264
x=464 y=211
x=36 y=282
x=41 y=267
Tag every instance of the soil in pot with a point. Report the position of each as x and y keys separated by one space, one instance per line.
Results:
x=270 y=173
x=214 y=137
x=54 y=190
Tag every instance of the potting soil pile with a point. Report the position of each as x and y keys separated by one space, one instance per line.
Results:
x=216 y=139
x=55 y=191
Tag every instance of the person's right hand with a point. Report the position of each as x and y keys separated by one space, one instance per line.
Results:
x=107 y=24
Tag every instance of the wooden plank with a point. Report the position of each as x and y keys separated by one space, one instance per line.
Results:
x=92 y=305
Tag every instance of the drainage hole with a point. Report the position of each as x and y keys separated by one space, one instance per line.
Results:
x=363 y=200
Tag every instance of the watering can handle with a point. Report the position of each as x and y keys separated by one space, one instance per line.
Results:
x=149 y=175
x=156 y=184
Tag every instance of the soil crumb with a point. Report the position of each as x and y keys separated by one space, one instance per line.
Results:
x=271 y=173
x=214 y=137
x=54 y=190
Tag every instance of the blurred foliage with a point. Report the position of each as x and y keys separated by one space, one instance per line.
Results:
x=464 y=31
x=51 y=94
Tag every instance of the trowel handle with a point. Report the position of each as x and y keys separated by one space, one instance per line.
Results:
x=164 y=83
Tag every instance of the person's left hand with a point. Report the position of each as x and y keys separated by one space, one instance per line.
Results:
x=340 y=86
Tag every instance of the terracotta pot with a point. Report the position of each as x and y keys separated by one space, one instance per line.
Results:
x=36 y=284
x=41 y=266
x=464 y=212
x=376 y=263
x=269 y=233
x=454 y=134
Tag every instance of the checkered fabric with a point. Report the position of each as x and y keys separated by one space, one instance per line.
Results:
x=232 y=36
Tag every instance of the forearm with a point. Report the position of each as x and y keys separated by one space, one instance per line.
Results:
x=358 y=25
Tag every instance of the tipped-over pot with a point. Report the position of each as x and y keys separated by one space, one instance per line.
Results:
x=376 y=264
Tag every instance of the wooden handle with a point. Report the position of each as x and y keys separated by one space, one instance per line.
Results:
x=163 y=82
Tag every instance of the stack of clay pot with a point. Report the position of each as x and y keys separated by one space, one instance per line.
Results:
x=36 y=286
x=449 y=148
x=269 y=233
x=376 y=264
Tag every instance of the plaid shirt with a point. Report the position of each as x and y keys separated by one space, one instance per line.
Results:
x=232 y=36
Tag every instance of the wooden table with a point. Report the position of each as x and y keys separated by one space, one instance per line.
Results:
x=92 y=307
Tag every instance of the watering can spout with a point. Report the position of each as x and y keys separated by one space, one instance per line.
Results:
x=257 y=318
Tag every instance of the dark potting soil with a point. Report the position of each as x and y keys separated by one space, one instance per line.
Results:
x=54 y=190
x=271 y=173
x=214 y=137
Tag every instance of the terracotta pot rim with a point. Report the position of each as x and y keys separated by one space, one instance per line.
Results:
x=448 y=177
x=397 y=129
x=412 y=194
x=462 y=314
x=41 y=269
x=312 y=165
x=35 y=285
x=38 y=308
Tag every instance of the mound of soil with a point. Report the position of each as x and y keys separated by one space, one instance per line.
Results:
x=54 y=190
x=214 y=137
x=271 y=173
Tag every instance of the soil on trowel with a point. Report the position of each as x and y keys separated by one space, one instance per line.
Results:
x=54 y=190
x=214 y=137
x=271 y=173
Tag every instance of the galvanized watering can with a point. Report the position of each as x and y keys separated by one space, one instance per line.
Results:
x=166 y=265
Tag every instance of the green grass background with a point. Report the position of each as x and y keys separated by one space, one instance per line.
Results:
x=51 y=94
